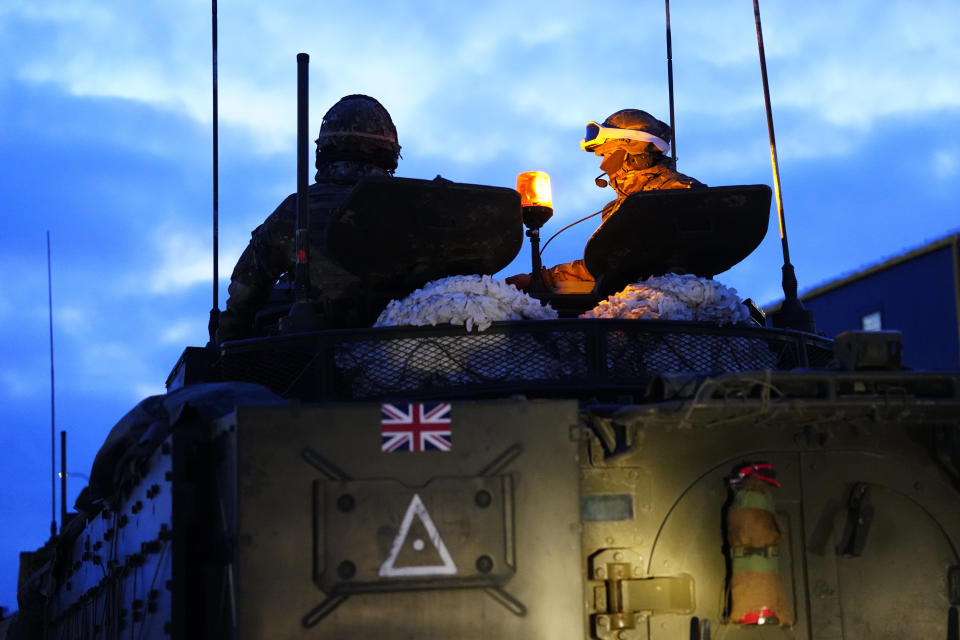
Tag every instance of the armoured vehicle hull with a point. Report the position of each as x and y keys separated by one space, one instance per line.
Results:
x=576 y=487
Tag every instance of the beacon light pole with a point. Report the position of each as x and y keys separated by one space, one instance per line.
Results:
x=536 y=202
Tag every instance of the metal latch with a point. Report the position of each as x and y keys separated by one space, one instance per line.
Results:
x=626 y=598
x=859 y=517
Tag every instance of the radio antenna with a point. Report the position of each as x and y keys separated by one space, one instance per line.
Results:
x=673 y=128
x=214 y=321
x=63 y=480
x=53 y=414
x=791 y=314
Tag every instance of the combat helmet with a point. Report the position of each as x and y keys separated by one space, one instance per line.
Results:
x=358 y=128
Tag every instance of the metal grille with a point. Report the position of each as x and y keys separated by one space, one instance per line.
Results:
x=384 y=367
x=638 y=355
x=572 y=357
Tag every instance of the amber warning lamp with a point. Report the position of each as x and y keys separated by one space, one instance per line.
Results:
x=536 y=202
x=535 y=198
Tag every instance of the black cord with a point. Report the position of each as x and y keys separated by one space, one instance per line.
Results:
x=567 y=227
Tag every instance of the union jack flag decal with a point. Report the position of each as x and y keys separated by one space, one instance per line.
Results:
x=415 y=427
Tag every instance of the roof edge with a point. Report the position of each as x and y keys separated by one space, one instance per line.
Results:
x=818 y=290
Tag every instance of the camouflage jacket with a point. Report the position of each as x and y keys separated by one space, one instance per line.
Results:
x=271 y=253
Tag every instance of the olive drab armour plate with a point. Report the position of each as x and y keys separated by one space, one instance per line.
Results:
x=699 y=231
x=338 y=538
x=868 y=507
x=407 y=232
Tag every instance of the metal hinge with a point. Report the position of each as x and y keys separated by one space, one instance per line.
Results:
x=627 y=598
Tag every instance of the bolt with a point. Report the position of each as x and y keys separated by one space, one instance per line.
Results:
x=483 y=499
x=346 y=570
x=618 y=556
x=603 y=621
x=484 y=564
x=346 y=503
x=600 y=573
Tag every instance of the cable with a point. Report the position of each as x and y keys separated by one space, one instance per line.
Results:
x=567 y=227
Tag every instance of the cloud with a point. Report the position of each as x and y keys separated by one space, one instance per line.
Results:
x=181 y=260
x=518 y=61
x=180 y=332
x=72 y=319
x=18 y=383
x=946 y=164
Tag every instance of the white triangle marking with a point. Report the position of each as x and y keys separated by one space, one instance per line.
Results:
x=448 y=568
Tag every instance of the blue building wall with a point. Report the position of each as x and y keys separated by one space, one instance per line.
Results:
x=916 y=297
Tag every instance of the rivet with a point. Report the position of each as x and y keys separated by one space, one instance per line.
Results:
x=346 y=503
x=346 y=570
x=484 y=564
x=483 y=499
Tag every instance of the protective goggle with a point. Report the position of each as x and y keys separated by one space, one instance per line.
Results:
x=598 y=134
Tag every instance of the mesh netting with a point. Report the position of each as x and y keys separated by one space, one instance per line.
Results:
x=385 y=366
x=631 y=354
x=510 y=357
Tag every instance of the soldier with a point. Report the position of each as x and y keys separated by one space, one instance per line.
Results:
x=357 y=139
x=633 y=145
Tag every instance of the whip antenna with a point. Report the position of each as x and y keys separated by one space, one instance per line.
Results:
x=673 y=128
x=215 y=308
x=791 y=313
x=63 y=480
x=53 y=421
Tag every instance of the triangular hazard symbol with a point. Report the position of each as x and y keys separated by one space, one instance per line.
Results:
x=433 y=542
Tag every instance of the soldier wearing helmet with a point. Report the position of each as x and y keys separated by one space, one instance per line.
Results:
x=357 y=139
x=633 y=145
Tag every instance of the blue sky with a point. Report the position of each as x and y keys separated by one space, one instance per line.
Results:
x=106 y=130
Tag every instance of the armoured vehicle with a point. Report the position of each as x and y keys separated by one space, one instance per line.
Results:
x=563 y=479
